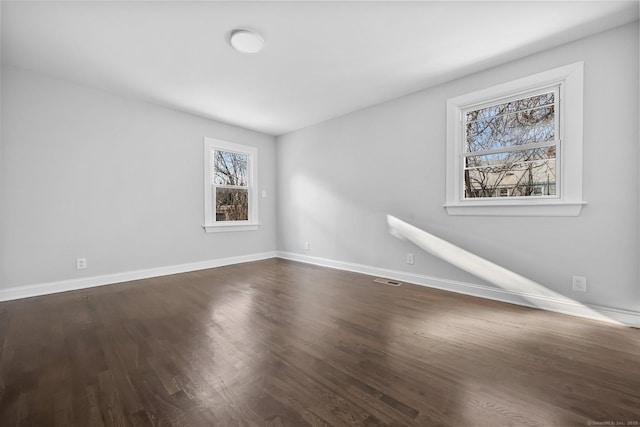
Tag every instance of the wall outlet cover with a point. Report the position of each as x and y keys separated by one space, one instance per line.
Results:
x=579 y=284
x=410 y=259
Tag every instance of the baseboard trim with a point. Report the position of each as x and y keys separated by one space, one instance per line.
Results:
x=613 y=315
x=573 y=308
x=110 y=279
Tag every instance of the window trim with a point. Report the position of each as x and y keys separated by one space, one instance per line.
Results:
x=569 y=198
x=210 y=223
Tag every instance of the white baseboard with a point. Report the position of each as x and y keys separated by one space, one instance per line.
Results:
x=109 y=279
x=565 y=306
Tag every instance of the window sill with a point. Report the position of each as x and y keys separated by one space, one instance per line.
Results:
x=523 y=208
x=221 y=228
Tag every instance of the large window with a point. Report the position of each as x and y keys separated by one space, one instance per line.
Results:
x=516 y=148
x=510 y=147
x=231 y=202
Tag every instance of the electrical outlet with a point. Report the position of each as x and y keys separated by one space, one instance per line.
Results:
x=81 y=263
x=579 y=284
x=410 y=259
x=307 y=246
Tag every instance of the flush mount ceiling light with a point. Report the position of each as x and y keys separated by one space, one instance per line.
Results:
x=246 y=41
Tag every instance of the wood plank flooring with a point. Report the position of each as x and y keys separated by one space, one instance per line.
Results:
x=280 y=343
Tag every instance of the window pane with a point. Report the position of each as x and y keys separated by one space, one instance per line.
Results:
x=512 y=107
x=523 y=179
x=514 y=123
x=229 y=168
x=232 y=204
x=510 y=158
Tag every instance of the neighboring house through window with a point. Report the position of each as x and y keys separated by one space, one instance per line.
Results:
x=516 y=148
x=230 y=186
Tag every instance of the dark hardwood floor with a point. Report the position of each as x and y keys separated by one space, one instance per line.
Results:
x=279 y=343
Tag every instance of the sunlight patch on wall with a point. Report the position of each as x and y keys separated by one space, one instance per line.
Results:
x=490 y=272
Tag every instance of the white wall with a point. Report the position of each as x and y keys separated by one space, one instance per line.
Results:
x=337 y=181
x=86 y=173
x=1 y=160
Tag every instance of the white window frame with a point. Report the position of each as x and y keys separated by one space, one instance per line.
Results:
x=210 y=223
x=568 y=200
x=555 y=143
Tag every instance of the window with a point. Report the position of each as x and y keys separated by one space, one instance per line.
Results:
x=510 y=147
x=230 y=187
x=516 y=148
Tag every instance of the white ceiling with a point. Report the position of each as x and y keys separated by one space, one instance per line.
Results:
x=322 y=59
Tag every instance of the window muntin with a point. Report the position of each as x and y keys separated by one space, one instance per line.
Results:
x=510 y=147
x=230 y=182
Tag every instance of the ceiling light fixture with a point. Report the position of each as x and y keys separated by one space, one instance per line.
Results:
x=246 y=41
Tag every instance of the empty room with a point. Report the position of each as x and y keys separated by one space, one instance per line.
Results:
x=320 y=213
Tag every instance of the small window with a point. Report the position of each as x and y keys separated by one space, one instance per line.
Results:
x=230 y=186
x=516 y=148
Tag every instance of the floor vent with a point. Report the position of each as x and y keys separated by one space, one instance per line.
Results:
x=388 y=282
